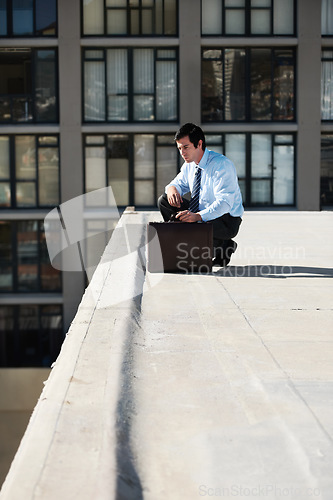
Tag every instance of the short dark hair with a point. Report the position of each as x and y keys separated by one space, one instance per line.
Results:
x=194 y=133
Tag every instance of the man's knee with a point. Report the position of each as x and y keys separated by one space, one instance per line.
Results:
x=161 y=200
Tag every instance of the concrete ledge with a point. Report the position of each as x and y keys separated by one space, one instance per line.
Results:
x=180 y=386
x=70 y=447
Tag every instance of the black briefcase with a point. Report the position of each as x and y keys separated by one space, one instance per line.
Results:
x=181 y=247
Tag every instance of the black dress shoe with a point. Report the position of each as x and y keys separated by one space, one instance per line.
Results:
x=223 y=260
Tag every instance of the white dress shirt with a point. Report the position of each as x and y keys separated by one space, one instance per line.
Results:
x=219 y=189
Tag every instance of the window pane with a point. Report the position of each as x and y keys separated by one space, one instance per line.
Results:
x=283 y=183
x=212 y=104
x=260 y=22
x=5 y=111
x=22 y=109
x=242 y=186
x=261 y=3
x=51 y=333
x=261 y=84
x=93 y=17
x=27 y=256
x=26 y=194
x=234 y=84
x=94 y=91
x=170 y=16
x=261 y=191
x=29 y=336
x=135 y=22
x=118 y=167
x=5 y=194
x=45 y=81
x=211 y=15
x=4 y=157
x=261 y=159
x=143 y=83
x=6 y=332
x=235 y=3
x=327 y=87
x=144 y=193
x=235 y=149
x=143 y=69
x=144 y=157
x=46 y=17
x=95 y=139
x=283 y=17
x=284 y=85
x=167 y=163
x=23 y=17
x=117 y=78
x=143 y=108
x=166 y=90
x=144 y=170
x=48 y=171
x=3 y=17
x=116 y=3
x=25 y=157
x=116 y=22
x=50 y=278
x=147 y=22
x=326 y=170
x=235 y=22
x=95 y=171
x=6 y=259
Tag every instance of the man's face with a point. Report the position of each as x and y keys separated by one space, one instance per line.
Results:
x=188 y=151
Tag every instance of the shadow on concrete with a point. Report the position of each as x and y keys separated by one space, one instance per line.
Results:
x=273 y=271
x=129 y=485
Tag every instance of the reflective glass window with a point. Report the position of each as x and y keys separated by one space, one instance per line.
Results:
x=134 y=18
x=126 y=85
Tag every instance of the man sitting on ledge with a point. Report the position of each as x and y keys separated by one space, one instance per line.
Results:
x=215 y=195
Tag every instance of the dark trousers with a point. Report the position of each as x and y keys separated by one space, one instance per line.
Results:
x=224 y=227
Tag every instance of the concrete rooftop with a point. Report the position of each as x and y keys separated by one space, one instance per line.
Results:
x=180 y=387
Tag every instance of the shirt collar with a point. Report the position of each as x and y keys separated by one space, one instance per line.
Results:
x=203 y=162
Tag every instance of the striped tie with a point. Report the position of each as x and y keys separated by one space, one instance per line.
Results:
x=194 y=202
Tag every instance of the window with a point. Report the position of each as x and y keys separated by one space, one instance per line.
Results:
x=130 y=17
x=25 y=18
x=130 y=85
x=24 y=261
x=29 y=171
x=28 y=88
x=265 y=165
x=137 y=167
x=327 y=85
x=30 y=335
x=326 y=170
x=254 y=84
x=248 y=17
x=327 y=17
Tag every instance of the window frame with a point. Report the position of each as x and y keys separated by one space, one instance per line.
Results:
x=247 y=22
x=130 y=72
x=128 y=8
x=12 y=171
x=248 y=83
x=35 y=34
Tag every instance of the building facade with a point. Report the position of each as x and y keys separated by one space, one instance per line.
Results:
x=91 y=94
